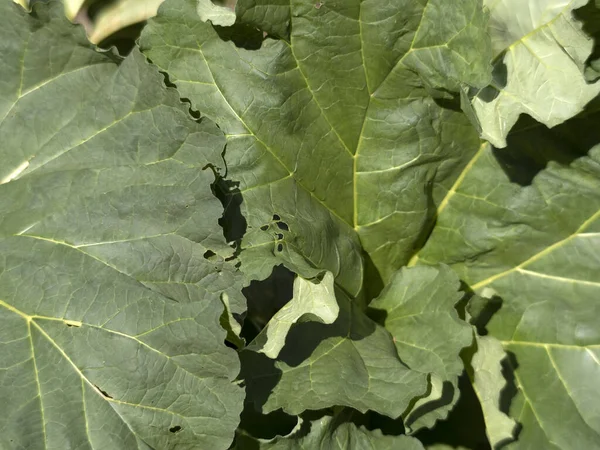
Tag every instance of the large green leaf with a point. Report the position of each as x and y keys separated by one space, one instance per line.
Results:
x=540 y=51
x=488 y=383
x=327 y=433
x=308 y=371
x=419 y=308
x=533 y=248
x=334 y=128
x=109 y=299
x=272 y=16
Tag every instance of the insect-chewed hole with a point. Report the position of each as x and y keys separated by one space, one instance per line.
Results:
x=280 y=247
x=175 y=429
x=276 y=217
x=103 y=392
x=264 y=227
x=209 y=254
x=283 y=226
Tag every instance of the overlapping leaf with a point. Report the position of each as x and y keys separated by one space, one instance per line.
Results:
x=533 y=248
x=488 y=382
x=333 y=128
x=308 y=371
x=118 y=14
x=419 y=308
x=327 y=433
x=109 y=299
x=311 y=300
x=540 y=51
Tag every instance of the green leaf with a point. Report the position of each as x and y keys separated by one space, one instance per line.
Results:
x=308 y=370
x=539 y=66
x=272 y=16
x=488 y=383
x=327 y=433
x=337 y=136
x=118 y=14
x=218 y=15
x=419 y=308
x=311 y=300
x=533 y=248
x=109 y=307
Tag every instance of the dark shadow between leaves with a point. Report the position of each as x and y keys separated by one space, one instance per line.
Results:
x=373 y=282
x=589 y=16
x=463 y=304
x=464 y=426
x=445 y=399
x=259 y=375
x=508 y=393
x=266 y=426
x=265 y=298
x=451 y=101
x=124 y=39
x=242 y=36
x=499 y=80
x=509 y=365
x=374 y=421
x=532 y=145
x=305 y=337
x=233 y=221
x=377 y=315
x=482 y=310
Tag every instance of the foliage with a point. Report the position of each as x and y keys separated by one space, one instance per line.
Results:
x=336 y=224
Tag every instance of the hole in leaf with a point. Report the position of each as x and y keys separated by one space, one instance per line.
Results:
x=283 y=226
x=193 y=112
x=276 y=217
x=175 y=429
x=264 y=227
x=279 y=236
x=209 y=254
x=233 y=221
x=104 y=393
x=280 y=247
